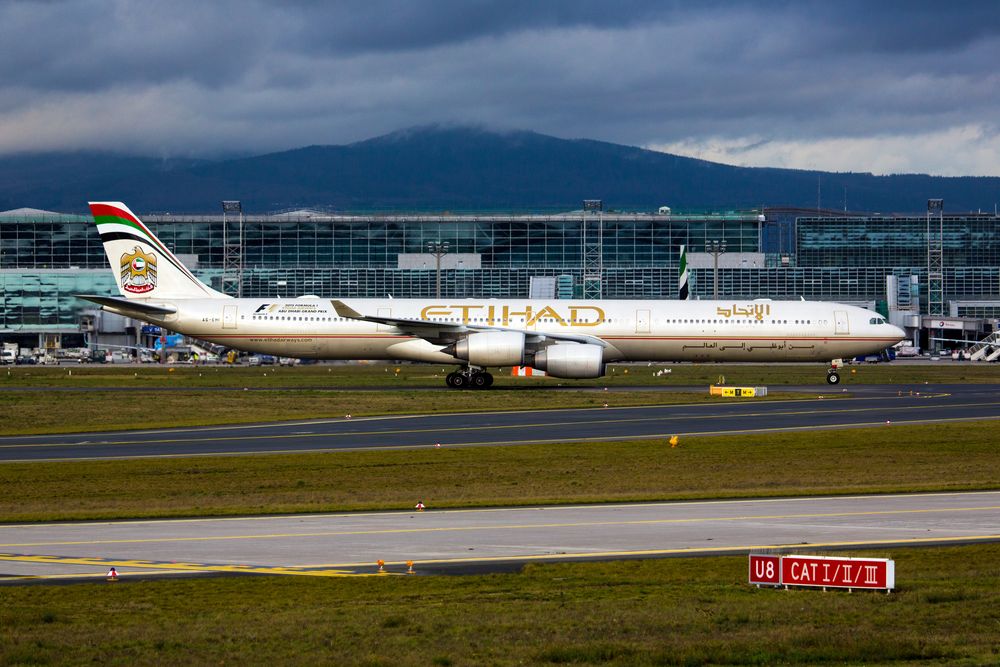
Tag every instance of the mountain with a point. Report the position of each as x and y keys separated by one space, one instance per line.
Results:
x=462 y=169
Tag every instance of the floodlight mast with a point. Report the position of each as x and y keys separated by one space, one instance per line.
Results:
x=935 y=264
x=592 y=238
x=716 y=248
x=439 y=249
x=232 y=263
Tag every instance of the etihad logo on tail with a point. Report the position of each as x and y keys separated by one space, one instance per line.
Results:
x=138 y=271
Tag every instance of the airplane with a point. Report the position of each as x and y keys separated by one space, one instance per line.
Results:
x=564 y=338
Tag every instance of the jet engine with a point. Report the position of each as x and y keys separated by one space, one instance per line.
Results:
x=492 y=348
x=571 y=360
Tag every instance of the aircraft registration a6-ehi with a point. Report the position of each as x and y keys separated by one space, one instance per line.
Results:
x=564 y=338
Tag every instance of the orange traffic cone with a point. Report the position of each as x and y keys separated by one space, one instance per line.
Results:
x=409 y=567
x=381 y=565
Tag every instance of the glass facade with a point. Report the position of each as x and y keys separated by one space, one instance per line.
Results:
x=969 y=241
x=43 y=300
x=47 y=257
x=366 y=242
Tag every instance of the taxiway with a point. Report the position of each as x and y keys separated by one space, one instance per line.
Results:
x=491 y=539
x=868 y=405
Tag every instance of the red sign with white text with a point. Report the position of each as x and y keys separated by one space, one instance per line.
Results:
x=765 y=570
x=876 y=573
x=822 y=572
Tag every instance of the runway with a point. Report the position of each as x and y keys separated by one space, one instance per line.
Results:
x=478 y=540
x=866 y=406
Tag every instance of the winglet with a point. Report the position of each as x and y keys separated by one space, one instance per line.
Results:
x=346 y=311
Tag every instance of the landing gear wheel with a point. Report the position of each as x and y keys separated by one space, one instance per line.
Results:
x=489 y=380
x=833 y=377
x=459 y=381
x=478 y=381
x=450 y=380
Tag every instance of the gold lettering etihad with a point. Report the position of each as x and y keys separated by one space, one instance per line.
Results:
x=754 y=310
x=493 y=315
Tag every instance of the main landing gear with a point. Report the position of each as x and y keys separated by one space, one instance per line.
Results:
x=469 y=378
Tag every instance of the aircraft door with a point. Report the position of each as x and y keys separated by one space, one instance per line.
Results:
x=642 y=321
x=841 y=325
x=384 y=312
x=229 y=317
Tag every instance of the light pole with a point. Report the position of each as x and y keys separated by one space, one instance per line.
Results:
x=716 y=248
x=232 y=262
x=439 y=249
x=935 y=269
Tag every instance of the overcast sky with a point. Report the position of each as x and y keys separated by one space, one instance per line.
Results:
x=885 y=87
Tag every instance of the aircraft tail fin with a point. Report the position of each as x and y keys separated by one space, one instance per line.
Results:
x=143 y=265
x=682 y=276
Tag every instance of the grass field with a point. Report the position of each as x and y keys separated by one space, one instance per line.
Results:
x=187 y=396
x=670 y=612
x=352 y=376
x=673 y=611
x=886 y=459
x=26 y=412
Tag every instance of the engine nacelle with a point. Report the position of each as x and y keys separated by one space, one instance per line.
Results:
x=492 y=348
x=571 y=360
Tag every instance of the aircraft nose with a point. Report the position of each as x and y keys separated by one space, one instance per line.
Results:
x=898 y=333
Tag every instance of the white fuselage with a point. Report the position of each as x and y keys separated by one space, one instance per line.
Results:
x=731 y=330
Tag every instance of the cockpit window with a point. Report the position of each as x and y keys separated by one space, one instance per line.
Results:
x=876 y=320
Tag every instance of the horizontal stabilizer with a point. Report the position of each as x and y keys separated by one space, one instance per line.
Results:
x=127 y=304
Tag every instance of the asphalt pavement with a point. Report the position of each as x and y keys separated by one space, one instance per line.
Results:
x=833 y=407
x=477 y=540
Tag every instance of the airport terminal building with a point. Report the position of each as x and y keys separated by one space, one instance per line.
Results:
x=938 y=272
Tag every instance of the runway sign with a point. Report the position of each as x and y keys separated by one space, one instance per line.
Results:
x=737 y=392
x=874 y=573
x=765 y=570
x=823 y=572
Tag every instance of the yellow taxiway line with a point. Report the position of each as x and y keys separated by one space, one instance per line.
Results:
x=693 y=551
x=350 y=569
x=190 y=568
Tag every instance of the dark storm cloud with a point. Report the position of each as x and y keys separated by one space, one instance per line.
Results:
x=201 y=78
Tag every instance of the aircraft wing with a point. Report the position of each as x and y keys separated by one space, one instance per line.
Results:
x=448 y=332
x=127 y=304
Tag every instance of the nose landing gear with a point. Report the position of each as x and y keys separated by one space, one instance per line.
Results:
x=469 y=378
x=833 y=375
